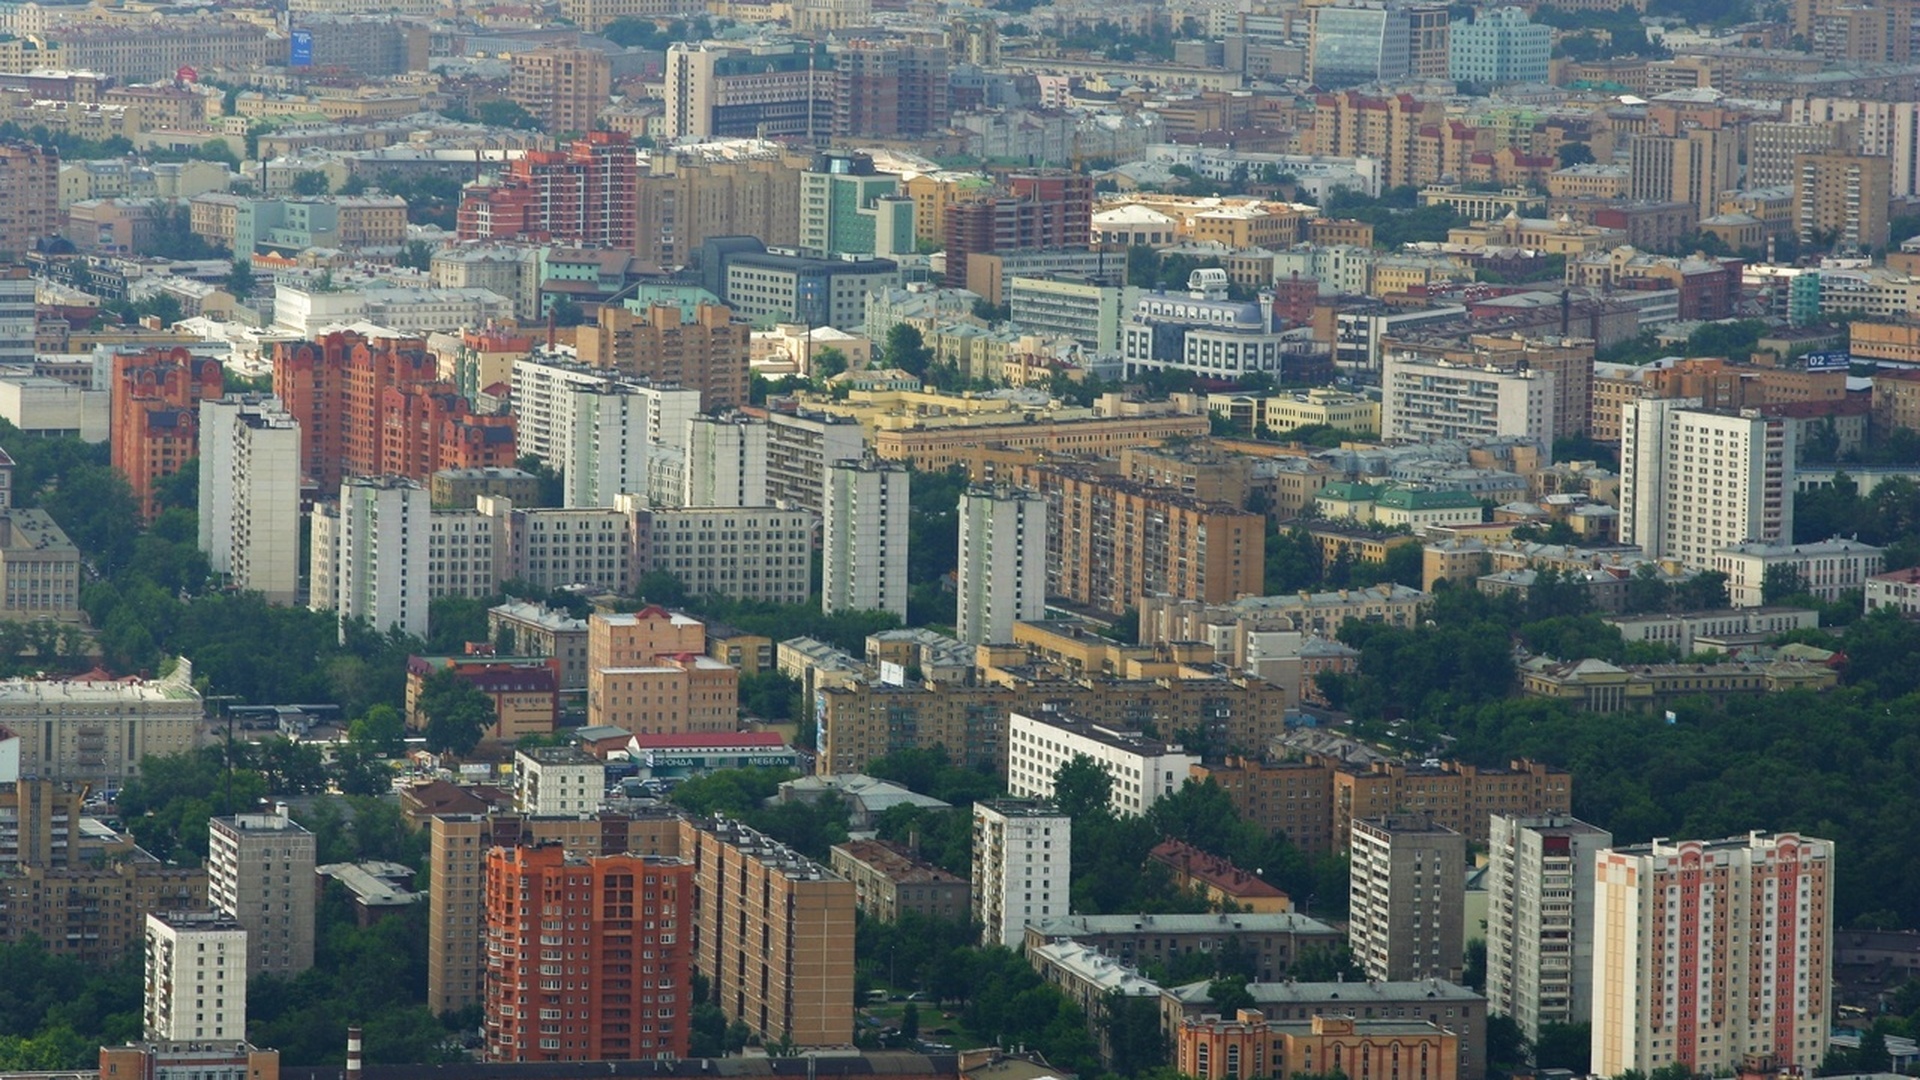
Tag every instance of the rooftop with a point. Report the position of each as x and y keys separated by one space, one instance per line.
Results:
x=1075 y=926
x=1309 y=993
x=902 y=867
x=1092 y=966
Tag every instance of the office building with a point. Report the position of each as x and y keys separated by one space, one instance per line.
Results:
x=1203 y=332
x=800 y=446
x=1040 y=211
x=1773 y=146
x=156 y=416
x=773 y=934
x=260 y=874
x=889 y=90
x=553 y=781
x=1499 y=46
x=725 y=462
x=1540 y=919
x=458 y=847
x=1408 y=899
x=1088 y=309
x=1021 y=855
x=1693 y=482
x=581 y=194
x=1355 y=43
x=764 y=89
x=250 y=495
x=526 y=628
x=1424 y=400
x=847 y=207
x=1825 y=569
x=1003 y=562
x=1143 y=770
x=1112 y=542
x=888 y=880
x=708 y=351
x=565 y=89
x=196 y=976
x=863 y=538
x=29 y=195
x=96 y=731
x=648 y=672
x=761 y=553
x=1842 y=196
x=627 y=955
x=376 y=406
x=768 y=288
x=1889 y=129
x=1705 y=951
x=370 y=555
x=18 y=321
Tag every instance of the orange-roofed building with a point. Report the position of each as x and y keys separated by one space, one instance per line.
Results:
x=1225 y=886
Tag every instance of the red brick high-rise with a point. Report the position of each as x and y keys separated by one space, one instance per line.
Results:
x=1042 y=210
x=587 y=959
x=583 y=195
x=377 y=407
x=156 y=415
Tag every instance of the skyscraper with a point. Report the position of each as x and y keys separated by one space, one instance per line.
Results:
x=1408 y=899
x=1708 y=950
x=1693 y=481
x=864 y=538
x=196 y=976
x=1003 y=562
x=627 y=955
x=250 y=494
x=260 y=873
x=1353 y=43
x=565 y=89
x=1021 y=854
x=1500 y=46
x=1540 y=919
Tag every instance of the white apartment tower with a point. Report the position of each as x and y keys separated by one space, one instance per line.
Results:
x=1708 y=950
x=1540 y=918
x=370 y=554
x=1408 y=899
x=196 y=976
x=725 y=462
x=864 y=538
x=1693 y=482
x=1424 y=400
x=250 y=494
x=1003 y=562
x=1021 y=852
x=597 y=430
x=260 y=874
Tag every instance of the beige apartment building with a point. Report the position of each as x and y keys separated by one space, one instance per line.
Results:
x=260 y=872
x=565 y=88
x=889 y=880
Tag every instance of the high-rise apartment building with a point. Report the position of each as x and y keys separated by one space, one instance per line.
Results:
x=370 y=554
x=1499 y=46
x=260 y=874
x=1040 y=210
x=773 y=934
x=1889 y=129
x=1356 y=42
x=376 y=406
x=565 y=89
x=725 y=462
x=1112 y=542
x=626 y=955
x=582 y=194
x=1705 y=951
x=29 y=195
x=600 y=431
x=687 y=195
x=250 y=494
x=1695 y=167
x=889 y=90
x=156 y=415
x=800 y=446
x=1423 y=400
x=762 y=553
x=849 y=208
x=1540 y=919
x=196 y=976
x=1772 y=147
x=1408 y=899
x=709 y=352
x=766 y=89
x=1841 y=199
x=863 y=538
x=1003 y=562
x=1021 y=855
x=1693 y=482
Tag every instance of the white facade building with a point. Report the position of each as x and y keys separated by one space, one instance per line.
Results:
x=196 y=976
x=1682 y=970
x=1003 y=562
x=1022 y=852
x=1144 y=770
x=260 y=874
x=1540 y=919
x=725 y=463
x=250 y=494
x=864 y=538
x=1825 y=569
x=370 y=554
x=558 y=781
x=599 y=431
x=1694 y=483
x=1425 y=400
x=44 y=405
x=752 y=552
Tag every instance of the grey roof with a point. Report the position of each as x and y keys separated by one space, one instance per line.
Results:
x=1314 y=993
x=1071 y=926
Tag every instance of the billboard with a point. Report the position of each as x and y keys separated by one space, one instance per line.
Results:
x=1827 y=361
x=300 y=49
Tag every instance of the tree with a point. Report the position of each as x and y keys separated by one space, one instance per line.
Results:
x=507 y=114
x=382 y=731
x=240 y=279
x=1081 y=788
x=1506 y=1043
x=566 y=313
x=825 y=364
x=311 y=182
x=417 y=255
x=910 y=1022
x=1574 y=153
x=907 y=350
x=1779 y=582
x=1564 y=1046
x=458 y=713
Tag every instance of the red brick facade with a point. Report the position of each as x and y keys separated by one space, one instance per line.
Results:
x=583 y=194
x=156 y=415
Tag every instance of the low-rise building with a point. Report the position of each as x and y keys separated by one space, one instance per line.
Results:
x=1143 y=770
x=1823 y=569
x=553 y=781
x=525 y=691
x=1713 y=630
x=1898 y=590
x=889 y=879
x=1597 y=686
x=1273 y=941
x=1091 y=979
x=1455 y=1008
x=1213 y=1045
x=525 y=628
x=1215 y=877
